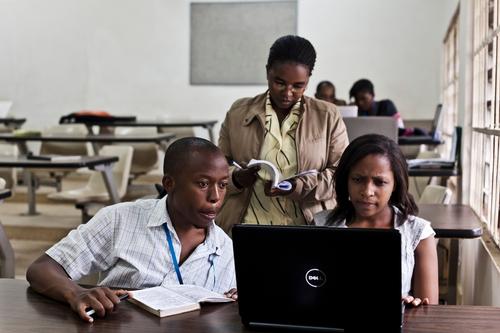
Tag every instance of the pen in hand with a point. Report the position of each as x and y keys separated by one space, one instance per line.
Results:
x=89 y=311
x=237 y=165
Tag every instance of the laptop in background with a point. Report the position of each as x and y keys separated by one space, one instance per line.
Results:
x=4 y=108
x=318 y=278
x=359 y=126
x=436 y=122
x=434 y=134
x=348 y=111
x=441 y=163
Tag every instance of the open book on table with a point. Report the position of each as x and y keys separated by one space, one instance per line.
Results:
x=175 y=299
x=276 y=176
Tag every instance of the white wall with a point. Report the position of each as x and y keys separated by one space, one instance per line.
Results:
x=132 y=57
x=394 y=43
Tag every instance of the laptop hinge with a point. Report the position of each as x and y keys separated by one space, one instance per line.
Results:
x=297 y=327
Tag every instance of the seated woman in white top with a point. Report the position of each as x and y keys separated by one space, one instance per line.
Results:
x=371 y=185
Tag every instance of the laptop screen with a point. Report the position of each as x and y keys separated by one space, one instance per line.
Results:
x=318 y=277
x=437 y=119
x=348 y=111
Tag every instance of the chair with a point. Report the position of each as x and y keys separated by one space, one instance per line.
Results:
x=418 y=184
x=54 y=176
x=9 y=175
x=95 y=190
x=180 y=132
x=7 y=259
x=371 y=125
x=435 y=194
x=145 y=157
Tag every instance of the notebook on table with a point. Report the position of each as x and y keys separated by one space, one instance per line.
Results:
x=441 y=163
x=318 y=278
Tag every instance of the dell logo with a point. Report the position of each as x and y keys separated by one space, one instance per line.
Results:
x=315 y=278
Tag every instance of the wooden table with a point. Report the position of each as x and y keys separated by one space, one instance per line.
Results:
x=416 y=140
x=433 y=172
x=207 y=124
x=13 y=123
x=455 y=222
x=104 y=164
x=452 y=221
x=92 y=138
x=23 y=310
x=443 y=173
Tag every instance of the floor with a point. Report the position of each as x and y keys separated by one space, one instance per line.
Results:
x=31 y=236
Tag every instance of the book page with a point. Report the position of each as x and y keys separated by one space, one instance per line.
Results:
x=275 y=174
x=161 y=298
x=269 y=168
x=199 y=294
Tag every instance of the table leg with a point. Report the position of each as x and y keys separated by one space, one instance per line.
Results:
x=453 y=271
x=23 y=148
x=107 y=175
x=30 y=183
x=210 y=129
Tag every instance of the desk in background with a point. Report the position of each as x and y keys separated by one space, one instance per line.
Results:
x=94 y=139
x=455 y=222
x=104 y=164
x=23 y=310
x=433 y=172
x=12 y=123
x=416 y=141
x=443 y=173
x=207 y=124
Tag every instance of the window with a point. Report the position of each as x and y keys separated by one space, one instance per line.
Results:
x=449 y=94
x=485 y=159
x=450 y=78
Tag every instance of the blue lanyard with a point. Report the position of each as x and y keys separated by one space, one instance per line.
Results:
x=172 y=253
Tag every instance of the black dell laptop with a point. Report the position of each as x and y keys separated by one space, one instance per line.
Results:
x=318 y=278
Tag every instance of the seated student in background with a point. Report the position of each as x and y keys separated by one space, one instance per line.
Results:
x=325 y=90
x=129 y=242
x=363 y=93
x=371 y=185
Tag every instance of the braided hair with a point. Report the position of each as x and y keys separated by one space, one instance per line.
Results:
x=292 y=49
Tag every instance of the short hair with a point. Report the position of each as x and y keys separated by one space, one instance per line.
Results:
x=372 y=144
x=324 y=84
x=178 y=153
x=292 y=48
x=361 y=86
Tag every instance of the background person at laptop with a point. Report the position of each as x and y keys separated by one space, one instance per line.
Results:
x=371 y=183
x=363 y=93
x=294 y=132
x=326 y=92
x=130 y=243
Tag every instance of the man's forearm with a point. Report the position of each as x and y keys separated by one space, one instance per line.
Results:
x=47 y=277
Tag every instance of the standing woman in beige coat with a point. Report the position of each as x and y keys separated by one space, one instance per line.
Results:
x=294 y=132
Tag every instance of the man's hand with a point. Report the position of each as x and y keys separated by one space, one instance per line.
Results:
x=102 y=300
x=233 y=293
x=245 y=177
x=271 y=191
